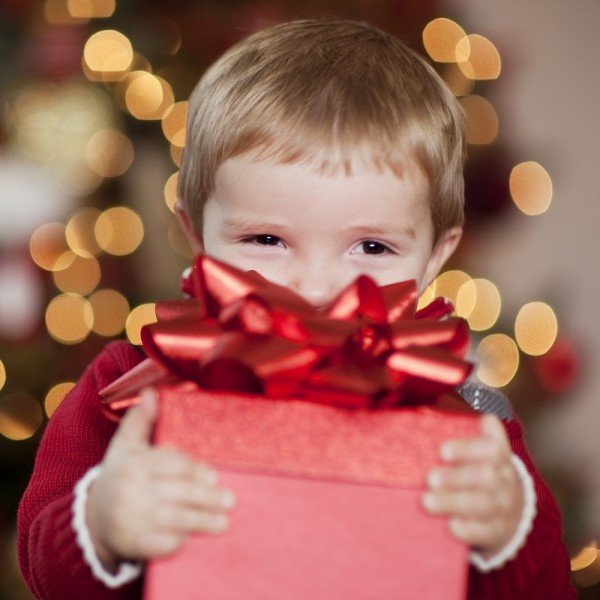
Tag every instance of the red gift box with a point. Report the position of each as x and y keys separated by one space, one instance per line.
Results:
x=328 y=501
x=324 y=423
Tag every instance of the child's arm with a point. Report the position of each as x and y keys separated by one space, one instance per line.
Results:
x=147 y=499
x=76 y=439
x=482 y=493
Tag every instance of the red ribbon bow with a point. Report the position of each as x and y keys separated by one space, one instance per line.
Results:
x=242 y=333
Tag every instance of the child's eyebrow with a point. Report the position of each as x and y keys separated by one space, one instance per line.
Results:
x=408 y=232
x=248 y=223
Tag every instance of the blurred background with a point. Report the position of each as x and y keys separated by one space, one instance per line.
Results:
x=92 y=110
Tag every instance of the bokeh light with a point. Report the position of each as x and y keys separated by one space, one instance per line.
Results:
x=2 y=374
x=440 y=37
x=482 y=120
x=110 y=312
x=141 y=315
x=109 y=153
x=119 y=230
x=144 y=95
x=82 y=276
x=585 y=566
x=427 y=296
x=536 y=328
x=69 y=318
x=459 y=84
x=478 y=301
x=47 y=244
x=108 y=52
x=530 y=188
x=91 y=9
x=478 y=58
x=20 y=416
x=176 y=154
x=173 y=123
x=79 y=232
x=56 y=395
x=498 y=358
x=57 y=12
x=449 y=283
x=171 y=191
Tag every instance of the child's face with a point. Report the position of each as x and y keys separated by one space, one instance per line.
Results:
x=315 y=233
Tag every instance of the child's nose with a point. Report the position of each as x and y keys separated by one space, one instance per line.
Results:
x=318 y=284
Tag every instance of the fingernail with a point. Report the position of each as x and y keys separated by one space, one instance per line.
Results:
x=435 y=479
x=456 y=527
x=227 y=499
x=446 y=451
x=211 y=477
x=220 y=522
x=429 y=502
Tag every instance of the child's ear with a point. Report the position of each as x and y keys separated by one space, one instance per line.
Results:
x=442 y=251
x=193 y=239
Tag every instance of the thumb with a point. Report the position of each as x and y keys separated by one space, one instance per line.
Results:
x=492 y=427
x=137 y=423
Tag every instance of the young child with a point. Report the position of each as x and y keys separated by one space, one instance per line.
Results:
x=316 y=151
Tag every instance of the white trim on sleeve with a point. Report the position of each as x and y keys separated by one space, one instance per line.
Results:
x=128 y=571
x=523 y=528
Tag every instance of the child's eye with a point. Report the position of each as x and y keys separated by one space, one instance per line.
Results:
x=372 y=247
x=263 y=240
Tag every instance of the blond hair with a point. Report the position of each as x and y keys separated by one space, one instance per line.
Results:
x=320 y=92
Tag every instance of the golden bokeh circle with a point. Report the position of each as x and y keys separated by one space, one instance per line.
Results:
x=119 y=230
x=173 y=123
x=47 y=244
x=91 y=9
x=108 y=51
x=79 y=232
x=427 y=296
x=20 y=416
x=2 y=374
x=449 y=283
x=530 y=188
x=56 y=395
x=478 y=58
x=141 y=315
x=498 y=358
x=109 y=153
x=111 y=310
x=69 y=318
x=144 y=95
x=536 y=328
x=171 y=191
x=440 y=37
x=482 y=120
x=82 y=276
x=479 y=302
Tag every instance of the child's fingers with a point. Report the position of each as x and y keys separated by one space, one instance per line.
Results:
x=136 y=425
x=478 y=504
x=491 y=446
x=474 y=532
x=179 y=519
x=468 y=476
x=173 y=464
x=185 y=493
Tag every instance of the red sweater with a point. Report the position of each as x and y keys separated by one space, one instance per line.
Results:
x=76 y=439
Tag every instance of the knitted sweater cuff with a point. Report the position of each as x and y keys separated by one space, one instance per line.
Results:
x=524 y=527
x=128 y=571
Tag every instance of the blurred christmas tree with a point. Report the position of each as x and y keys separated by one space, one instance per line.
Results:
x=93 y=104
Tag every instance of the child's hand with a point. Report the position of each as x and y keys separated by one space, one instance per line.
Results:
x=479 y=489
x=148 y=499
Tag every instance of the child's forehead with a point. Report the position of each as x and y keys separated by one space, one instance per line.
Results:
x=333 y=161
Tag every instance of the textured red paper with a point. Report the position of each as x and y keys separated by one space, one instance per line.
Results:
x=328 y=501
